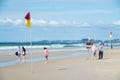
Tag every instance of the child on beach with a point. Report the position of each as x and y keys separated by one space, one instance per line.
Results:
x=93 y=50
x=46 y=54
x=24 y=53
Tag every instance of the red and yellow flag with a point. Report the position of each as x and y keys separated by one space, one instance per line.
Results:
x=27 y=17
x=110 y=34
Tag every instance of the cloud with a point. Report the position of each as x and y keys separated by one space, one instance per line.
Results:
x=41 y=22
x=85 y=24
x=54 y=22
x=116 y=23
x=68 y=23
x=11 y=21
x=106 y=23
x=38 y=22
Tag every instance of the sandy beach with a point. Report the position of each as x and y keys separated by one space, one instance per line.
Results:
x=73 y=68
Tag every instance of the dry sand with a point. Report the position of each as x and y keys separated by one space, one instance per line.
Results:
x=75 y=68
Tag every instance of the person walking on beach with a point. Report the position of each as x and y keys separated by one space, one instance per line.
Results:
x=101 y=51
x=46 y=54
x=19 y=53
x=23 y=54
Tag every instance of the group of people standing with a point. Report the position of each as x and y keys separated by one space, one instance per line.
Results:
x=21 y=52
x=94 y=49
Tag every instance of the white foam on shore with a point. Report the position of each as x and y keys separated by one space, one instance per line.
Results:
x=13 y=49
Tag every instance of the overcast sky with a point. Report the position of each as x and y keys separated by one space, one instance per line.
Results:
x=59 y=19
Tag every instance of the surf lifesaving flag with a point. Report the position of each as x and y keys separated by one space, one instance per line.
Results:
x=110 y=34
x=27 y=19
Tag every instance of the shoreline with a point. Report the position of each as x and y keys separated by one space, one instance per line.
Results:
x=37 y=55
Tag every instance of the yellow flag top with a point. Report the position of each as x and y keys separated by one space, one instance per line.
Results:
x=27 y=17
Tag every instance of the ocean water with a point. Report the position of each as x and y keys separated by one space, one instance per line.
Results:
x=10 y=48
x=14 y=45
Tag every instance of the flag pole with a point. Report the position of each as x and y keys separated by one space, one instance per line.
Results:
x=31 y=49
x=111 y=43
x=111 y=39
x=28 y=24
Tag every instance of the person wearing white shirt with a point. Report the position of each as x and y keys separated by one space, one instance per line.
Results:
x=19 y=53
